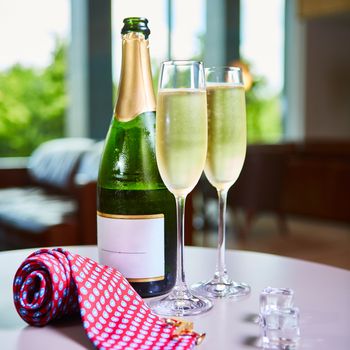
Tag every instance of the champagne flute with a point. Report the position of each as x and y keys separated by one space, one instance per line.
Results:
x=227 y=140
x=181 y=147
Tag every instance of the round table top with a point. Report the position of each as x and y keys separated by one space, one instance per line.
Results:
x=322 y=294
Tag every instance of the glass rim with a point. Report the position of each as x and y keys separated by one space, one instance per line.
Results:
x=181 y=62
x=224 y=68
x=277 y=290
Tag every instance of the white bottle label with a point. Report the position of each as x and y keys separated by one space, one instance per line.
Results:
x=133 y=244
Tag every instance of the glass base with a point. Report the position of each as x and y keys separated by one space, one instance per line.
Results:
x=180 y=303
x=221 y=288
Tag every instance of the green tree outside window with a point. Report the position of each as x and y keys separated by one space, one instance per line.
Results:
x=32 y=105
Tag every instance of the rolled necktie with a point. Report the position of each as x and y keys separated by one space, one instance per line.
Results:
x=52 y=283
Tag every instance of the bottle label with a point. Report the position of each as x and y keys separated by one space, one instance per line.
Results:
x=133 y=244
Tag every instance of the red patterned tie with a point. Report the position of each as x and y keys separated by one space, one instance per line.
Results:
x=52 y=283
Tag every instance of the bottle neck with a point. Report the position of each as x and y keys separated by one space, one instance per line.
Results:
x=136 y=93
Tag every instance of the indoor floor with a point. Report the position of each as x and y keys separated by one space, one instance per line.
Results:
x=318 y=241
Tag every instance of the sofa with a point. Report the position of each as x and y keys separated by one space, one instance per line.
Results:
x=49 y=199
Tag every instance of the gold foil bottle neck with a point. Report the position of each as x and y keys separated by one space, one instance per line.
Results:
x=136 y=93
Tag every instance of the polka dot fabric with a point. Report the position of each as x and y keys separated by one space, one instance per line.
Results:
x=52 y=283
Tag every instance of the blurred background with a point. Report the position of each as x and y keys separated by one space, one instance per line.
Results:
x=59 y=71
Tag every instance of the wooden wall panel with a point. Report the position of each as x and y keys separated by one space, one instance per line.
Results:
x=317 y=8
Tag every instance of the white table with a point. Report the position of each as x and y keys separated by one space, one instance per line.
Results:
x=321 y=292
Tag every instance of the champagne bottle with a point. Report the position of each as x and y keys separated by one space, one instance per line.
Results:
x=136 y=216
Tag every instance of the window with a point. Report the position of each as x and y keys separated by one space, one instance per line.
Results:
x=156 y=13
x=188 y=29
x=262 y=47
x=186 y=39
x=33 y=36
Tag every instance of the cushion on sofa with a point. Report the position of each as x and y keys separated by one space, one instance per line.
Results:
x=54 y=162
x=89 y=165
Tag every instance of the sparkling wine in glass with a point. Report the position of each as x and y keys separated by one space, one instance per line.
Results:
x=227 y=140
x=181 y=147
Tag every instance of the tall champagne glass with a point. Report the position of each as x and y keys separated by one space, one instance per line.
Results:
x=227 y=142
x=181 y=147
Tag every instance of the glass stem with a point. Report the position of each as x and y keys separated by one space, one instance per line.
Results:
x=180 y=273
x=221 y=272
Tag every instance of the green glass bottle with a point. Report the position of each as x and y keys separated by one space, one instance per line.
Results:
x=136 y=216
